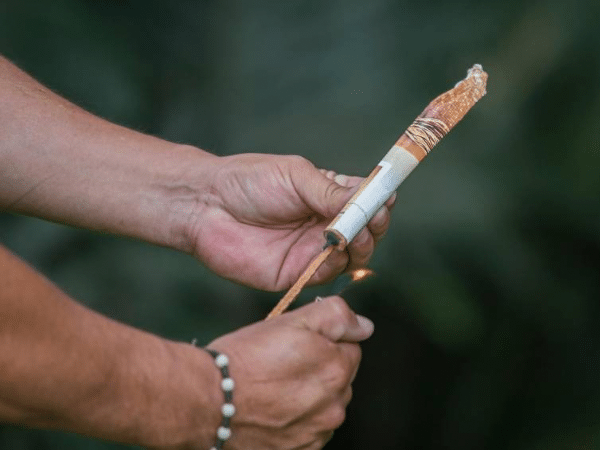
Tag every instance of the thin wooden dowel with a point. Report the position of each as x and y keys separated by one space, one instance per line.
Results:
x=291 y=295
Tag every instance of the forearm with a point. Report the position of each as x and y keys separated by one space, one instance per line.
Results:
x=64 y=164
x=64 y=366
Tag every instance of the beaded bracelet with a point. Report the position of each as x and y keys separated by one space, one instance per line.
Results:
x=227 y=410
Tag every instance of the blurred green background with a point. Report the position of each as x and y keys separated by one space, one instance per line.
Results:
x=487 y=287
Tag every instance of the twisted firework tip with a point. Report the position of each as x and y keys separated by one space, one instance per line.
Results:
x=447 y=109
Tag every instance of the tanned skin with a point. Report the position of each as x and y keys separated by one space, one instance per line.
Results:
x=256 y=219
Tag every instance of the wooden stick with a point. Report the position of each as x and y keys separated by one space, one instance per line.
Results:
x=291 y=295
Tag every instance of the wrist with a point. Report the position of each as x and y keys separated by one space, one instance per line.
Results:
x=181 y=404
x=184 y=189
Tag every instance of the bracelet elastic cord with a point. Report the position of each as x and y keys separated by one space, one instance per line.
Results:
x=227 y=410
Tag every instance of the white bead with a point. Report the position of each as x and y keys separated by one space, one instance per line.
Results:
x=228 y=410
x=221 y=361
x=223 y=433
x=227 y=384
x=213 y=448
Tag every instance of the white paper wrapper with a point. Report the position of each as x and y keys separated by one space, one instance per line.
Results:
x=397 y=164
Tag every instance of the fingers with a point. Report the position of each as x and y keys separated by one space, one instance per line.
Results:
x=362 y=246
x=391 y=201
x=351 y=181
x=352 y=355
x=319 y=192
x=358 y=253
x=379 y=223
x=335 y=264
x=360 y=250
x=343 y=180
x=293 y=374
x=333 y=319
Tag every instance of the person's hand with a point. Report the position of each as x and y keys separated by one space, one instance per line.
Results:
x=262 y=221
x=293 y=375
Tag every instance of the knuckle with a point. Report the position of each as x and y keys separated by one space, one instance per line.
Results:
x=340 y=309
x=355 y=356
x=352 y=361
x=360 y=255
x=332 y=189
x=337 y=375
x=335 y=417
x=381 y=220
x=362 y=244
x=385 y=221
x=348 y=395
x=337 y=261
x=299 y=161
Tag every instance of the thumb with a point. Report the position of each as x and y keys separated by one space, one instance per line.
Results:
x=323 y=195
x=333 y=319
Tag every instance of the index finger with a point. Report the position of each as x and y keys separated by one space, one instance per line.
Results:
x=333 y=319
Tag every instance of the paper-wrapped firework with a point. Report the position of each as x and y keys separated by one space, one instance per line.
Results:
x=440 y=116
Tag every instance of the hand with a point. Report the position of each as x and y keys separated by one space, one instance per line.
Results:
x=263 y=220
x=293 y=375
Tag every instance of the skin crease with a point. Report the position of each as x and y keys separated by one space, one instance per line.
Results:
x=254 y=218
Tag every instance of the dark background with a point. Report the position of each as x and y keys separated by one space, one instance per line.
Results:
x=486 y=294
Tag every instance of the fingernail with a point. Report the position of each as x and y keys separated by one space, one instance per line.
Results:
x=392 y=199
x=318 y=299
x=366 y=324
